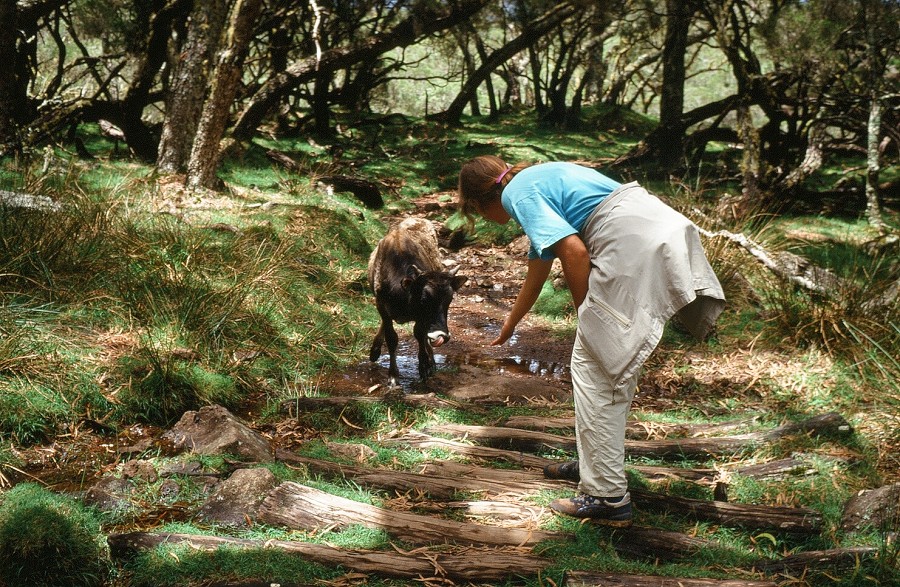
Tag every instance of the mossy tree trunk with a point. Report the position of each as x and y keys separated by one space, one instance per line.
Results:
x=188 y=85
x=226 y=79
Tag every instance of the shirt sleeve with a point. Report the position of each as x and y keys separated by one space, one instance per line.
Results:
x=543 y=224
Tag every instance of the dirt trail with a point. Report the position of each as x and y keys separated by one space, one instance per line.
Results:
x=476 y=314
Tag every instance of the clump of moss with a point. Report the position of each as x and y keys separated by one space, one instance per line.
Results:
x=48 y=539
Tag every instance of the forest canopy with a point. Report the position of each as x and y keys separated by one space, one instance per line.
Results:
x=784 y=84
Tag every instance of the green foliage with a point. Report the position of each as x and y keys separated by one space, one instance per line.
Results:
x=182 y=565
x=47 y=540
x=167 y=390
x=554 y=303
x=252 y=297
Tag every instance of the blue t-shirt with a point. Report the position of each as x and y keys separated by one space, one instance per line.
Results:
x=550 y=201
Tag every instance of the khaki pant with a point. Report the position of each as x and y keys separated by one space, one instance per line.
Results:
x=600 y=415
x=647 y=264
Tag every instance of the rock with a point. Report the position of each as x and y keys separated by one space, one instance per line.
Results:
x=236 y=500
x=110 y=494
x=215 y=430
x=140 y=469
x=187 y=468
x=875 y=507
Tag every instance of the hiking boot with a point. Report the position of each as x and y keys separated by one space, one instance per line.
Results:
x=611 y=511
x=567 y=470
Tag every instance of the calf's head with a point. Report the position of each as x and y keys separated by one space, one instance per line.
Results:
x=430 y=294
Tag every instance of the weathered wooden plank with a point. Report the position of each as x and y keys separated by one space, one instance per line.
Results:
x=634 y=429
x=593 y=579
x=820 y=560
x=301 y=507
x=760 y=517
x=695 y=447
x=477 y=565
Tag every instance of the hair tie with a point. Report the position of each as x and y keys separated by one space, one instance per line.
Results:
x=502 y=175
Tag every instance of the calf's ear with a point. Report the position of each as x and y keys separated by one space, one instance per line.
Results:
x=458 y=281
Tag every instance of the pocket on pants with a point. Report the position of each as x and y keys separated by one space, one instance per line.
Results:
x=613 y=338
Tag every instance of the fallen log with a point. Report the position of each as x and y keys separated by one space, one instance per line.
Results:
x=594 y=579
x=365 y=191
x=420 y=440
x=305 y=508
x=28 y=202
x=761 y=517
x=533 y=441
x=776 y=468
x=875 y=508
x=431 y=481
x=634 y=429
x=658 y=545
x=798 y=520
x=817 y=560
x=313 y=404
x=787 y=266
x=468 y=564
x=445 y=478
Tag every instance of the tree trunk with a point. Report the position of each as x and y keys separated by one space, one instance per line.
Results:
x=665 y=145
x=9 y=134
x=188 y=85
x=205 y=154
x=671 y=101
x=873 y=168
x=594 y=579
x=531 y=33
x=473 y=565
x=422 y=23
x=525 y=440
x=321 y=106
x=305 y=508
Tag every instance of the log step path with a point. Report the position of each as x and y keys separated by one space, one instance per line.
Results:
x=502 y=523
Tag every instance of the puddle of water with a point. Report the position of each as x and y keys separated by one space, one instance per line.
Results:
x=518 y=365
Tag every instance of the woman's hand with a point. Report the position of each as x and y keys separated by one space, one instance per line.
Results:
x=506 y=332
x=538 y=270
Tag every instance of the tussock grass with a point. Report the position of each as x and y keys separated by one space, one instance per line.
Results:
x=150 y=301
x=45 y=536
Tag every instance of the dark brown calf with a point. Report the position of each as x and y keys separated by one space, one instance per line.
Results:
x=410 y=285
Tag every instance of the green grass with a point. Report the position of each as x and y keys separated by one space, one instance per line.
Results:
x=45 y=536
x=138 y=301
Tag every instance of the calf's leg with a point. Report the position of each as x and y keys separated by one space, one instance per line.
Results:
x=390 y=337
x=375 y=351
x=426 y=353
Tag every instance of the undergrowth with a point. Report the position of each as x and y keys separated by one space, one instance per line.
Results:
x=137 y=301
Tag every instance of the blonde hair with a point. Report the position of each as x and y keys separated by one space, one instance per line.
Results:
x=481 y=181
